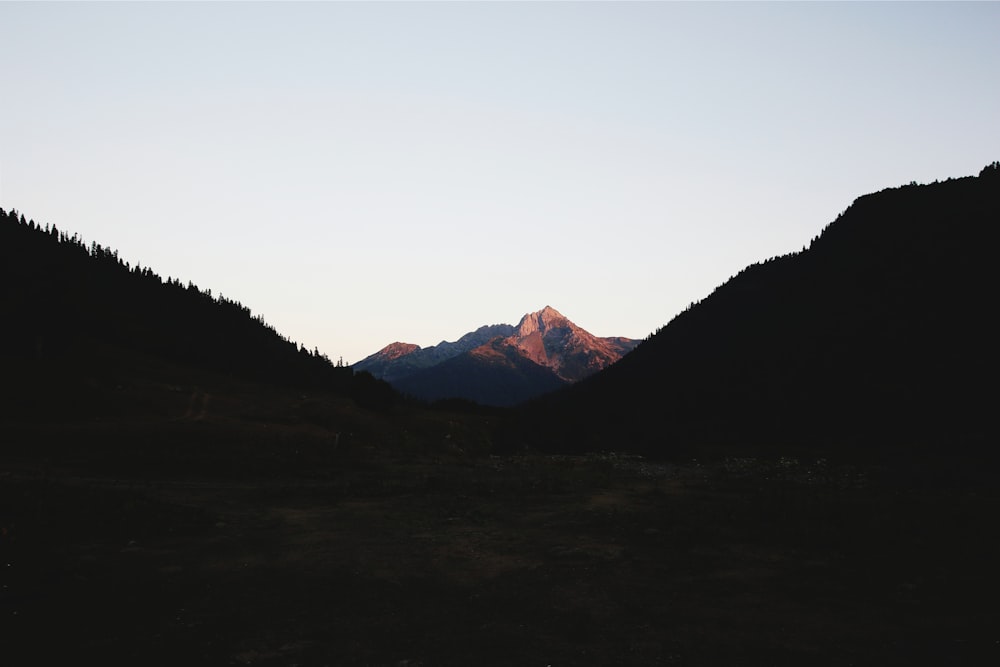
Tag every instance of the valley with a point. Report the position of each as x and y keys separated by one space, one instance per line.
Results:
x=797 y=470
x=365 y=557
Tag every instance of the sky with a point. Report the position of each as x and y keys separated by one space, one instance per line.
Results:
x=363 y=173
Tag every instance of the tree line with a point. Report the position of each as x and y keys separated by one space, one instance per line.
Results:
x=63 y=297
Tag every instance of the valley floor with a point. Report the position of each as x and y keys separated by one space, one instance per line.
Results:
x=600 y=560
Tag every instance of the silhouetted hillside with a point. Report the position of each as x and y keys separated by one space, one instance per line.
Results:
x=880 y=334
x=72 y=310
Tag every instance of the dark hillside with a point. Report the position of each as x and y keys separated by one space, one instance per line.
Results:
x=76 y=314
x=880 y=333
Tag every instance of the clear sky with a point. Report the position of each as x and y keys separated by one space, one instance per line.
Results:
x=365 y=173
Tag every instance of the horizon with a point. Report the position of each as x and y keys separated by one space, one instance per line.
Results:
x=361 y=174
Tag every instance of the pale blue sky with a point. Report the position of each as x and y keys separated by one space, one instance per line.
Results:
x=365 y=173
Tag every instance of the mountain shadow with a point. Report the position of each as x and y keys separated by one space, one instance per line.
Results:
x=491 y=374
x=878 y=336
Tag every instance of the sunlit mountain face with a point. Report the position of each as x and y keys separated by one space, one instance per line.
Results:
x=499 y=364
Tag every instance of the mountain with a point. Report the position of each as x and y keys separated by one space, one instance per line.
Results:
x=878 y=337
x=79 y=319
x=499 y=364
x=399 y=360
x=494 y=373
x=551 y=340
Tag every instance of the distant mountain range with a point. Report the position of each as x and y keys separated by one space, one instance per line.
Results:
x=499 y=364
x=878 y=337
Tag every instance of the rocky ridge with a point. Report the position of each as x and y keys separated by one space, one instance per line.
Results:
x=499 y=364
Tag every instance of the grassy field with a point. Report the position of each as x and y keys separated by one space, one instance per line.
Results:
x=240 y=530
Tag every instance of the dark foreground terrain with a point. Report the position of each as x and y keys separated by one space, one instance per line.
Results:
x=207 y=539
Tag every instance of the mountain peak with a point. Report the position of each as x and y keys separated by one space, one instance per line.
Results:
x=550 y=313
x=541 y=321
x=500 y=364
x=397 y=350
